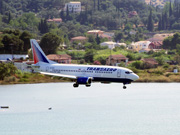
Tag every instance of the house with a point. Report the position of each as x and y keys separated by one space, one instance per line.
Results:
x=156 y=45
x=112 y=45
x=55 y=20
x=111 y=34
x=150 y=62
x=73 y=7
x=115 y=60
x=132 y=14
x=106 y=36
x=109 y=44
x=160 y=37
x=134 y=47
x=63 y=58
x=137 y=46
x=79 y=39
x=95 y=32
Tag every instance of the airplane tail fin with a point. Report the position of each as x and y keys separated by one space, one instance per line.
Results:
x=38 y=54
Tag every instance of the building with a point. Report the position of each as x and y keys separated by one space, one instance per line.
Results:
x=109 y=44
x=132 y=14
x=55 y=20
x=109 y=38
x=156 y=45
x=112 y=45
x=13 y=56
x=111 y=34
x=95 y=32
x=63 y=58
x=159 y=3
x=79 y=39
x=73 y=7
x=115 y=60
x=137 y=46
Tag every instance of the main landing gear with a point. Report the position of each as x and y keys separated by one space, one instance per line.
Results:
x=75 y=85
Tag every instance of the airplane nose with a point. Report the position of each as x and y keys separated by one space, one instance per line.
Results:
x=135 y=77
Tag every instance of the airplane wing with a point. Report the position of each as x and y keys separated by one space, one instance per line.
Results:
x=60 y=75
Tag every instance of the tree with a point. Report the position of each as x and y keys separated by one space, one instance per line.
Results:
x=98 y=40
x=9 y=17
x=1 y=7
x=89 y=55
x=25 y=37
x=43 y=26
x=171 y=42
x=170 y=9
x=98 y=5
x=94 y=5
x=12 y=44
x=178 y=48
x=160 y=23
x=50 y=42
x=6 y=70
x=150 y=26
x=62 y=14
x=118 y=36
x=67 y=12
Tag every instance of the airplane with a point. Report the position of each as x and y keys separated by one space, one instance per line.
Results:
x=82 y=74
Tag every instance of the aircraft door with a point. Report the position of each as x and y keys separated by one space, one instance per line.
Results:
x=118 y=73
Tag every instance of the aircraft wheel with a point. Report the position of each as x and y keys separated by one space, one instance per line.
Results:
x=124 y=87
x=75 y=85
x=88 y=85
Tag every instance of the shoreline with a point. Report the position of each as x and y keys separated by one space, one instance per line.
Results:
x=29 y=78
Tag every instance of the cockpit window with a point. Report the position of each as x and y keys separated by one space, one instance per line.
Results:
x=128 y=72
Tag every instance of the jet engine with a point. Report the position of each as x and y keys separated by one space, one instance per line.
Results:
x=84 y=80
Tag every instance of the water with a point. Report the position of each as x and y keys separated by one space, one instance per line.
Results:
x=103 y=109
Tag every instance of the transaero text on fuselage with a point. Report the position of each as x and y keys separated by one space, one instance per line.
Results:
x=101 y=69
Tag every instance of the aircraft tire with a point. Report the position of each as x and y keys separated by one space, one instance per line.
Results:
x=75 y=85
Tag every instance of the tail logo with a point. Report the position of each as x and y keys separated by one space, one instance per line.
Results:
x=37 y=54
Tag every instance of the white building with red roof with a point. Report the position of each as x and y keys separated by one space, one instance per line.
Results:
x=55 y=20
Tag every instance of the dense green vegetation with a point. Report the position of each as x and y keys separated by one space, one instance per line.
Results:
x=14 y=42
x=21 y=20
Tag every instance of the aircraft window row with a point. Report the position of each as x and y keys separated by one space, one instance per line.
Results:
x=76 y=71
x=103 y=72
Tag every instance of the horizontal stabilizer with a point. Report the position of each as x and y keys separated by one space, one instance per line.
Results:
x=60 y=75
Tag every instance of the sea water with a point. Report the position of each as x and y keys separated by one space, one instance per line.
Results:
x=102 y=109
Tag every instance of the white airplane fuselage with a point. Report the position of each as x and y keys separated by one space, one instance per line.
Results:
x=83 y=74
x=96 y=72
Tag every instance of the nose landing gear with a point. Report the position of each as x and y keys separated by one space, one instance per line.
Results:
x=124 y=87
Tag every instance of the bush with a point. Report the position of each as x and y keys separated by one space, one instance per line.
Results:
x=137 y=64
x=131 y=56
x=166 y=66
x=6 y=69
